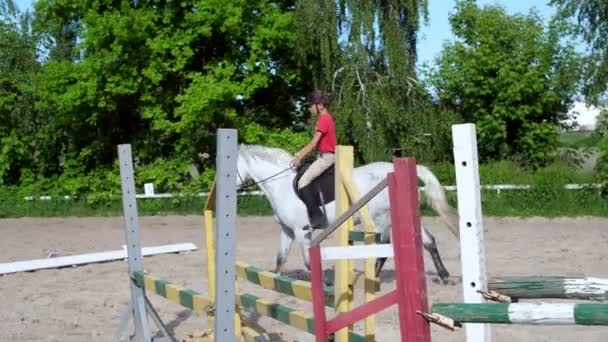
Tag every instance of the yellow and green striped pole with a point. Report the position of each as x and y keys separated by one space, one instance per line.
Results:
x=201 y=304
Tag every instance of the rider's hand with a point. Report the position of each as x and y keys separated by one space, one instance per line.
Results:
x=295 y=162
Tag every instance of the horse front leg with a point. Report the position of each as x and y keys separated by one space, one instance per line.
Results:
x=304 y=238
x=428 y=241
x=287 y=237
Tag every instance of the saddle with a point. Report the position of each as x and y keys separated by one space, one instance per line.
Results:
x=316 y=194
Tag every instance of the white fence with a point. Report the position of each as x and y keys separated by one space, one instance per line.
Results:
x=150 y=194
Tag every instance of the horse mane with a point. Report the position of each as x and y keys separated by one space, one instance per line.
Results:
x=270 y=154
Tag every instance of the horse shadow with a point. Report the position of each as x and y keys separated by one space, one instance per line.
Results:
x=251 y=319
x=388 y=276
x=298 y=274
x=182 y=316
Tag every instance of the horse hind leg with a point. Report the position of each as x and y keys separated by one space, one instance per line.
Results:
x=384 y=238
x=379 y=265
x=428 y=241
x=287 y=237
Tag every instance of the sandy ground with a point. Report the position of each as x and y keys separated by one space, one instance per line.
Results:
x=85 y=303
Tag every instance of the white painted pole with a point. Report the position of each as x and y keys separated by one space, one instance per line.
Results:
x=383 y=250
x=472 y=253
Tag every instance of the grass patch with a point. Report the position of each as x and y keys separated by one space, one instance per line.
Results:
x=547 y=197
x=577 y=139
x=18 y=207
x=546 y=201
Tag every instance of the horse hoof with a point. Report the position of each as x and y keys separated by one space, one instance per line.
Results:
x=448 y=281
x=445 y=278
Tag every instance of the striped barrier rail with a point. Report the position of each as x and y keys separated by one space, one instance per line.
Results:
x=583 y=288
x=525 y=313
x=202 y=305
x=293 y=287
x=271 y=281
x=359 y=236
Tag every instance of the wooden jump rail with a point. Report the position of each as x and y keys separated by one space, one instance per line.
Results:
x=581 y=288
x=350 y=212
x=478 y=291
x=360 y=236
x=271 y=281
x=406 y=248
x=204 y=305
x=475 y=286
x=221 y=306
x=223 y=321
x=335 y=296
x=289 y=286
x=525 y=313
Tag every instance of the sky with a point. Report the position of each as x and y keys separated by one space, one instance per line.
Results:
x=24 y=4
x=437 y=31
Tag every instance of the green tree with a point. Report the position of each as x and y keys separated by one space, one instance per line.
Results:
x=510 y=76
x=364 y=54
x=600 y=134
x=591 y=17
x=389 y=47
x=162 y=75
x=18 y=65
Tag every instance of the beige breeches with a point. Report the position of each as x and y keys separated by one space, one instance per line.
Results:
x=324 y=161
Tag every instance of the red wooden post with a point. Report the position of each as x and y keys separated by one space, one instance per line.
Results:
x=318 y=295
x=407 y=245
x=410 y=294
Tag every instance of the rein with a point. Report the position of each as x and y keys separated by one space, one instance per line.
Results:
x=265 y=180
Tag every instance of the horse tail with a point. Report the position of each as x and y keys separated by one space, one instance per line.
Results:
x=436 y=195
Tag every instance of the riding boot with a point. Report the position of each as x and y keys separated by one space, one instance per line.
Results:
x=316 y=216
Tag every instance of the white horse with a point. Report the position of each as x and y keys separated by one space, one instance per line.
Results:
x=269 y=168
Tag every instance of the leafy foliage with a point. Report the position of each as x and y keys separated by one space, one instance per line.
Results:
x=78 y=77
x=591 y=17
x=17 y=67
x=364 y=54
x=601 y=134
x=160 y=75
x=381 y=119
x=388 y=48
x=509 y=76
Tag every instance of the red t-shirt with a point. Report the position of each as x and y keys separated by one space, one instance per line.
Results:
x=326 y=126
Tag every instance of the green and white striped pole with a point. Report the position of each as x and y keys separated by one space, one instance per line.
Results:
x=584 y=288
x=525 y=313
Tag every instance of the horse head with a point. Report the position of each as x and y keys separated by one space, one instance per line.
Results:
x=242 y=169
x=262 y=164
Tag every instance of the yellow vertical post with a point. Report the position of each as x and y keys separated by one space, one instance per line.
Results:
x=343 y=297
x=210 y=242
x=370 y=238
x=209 y=212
